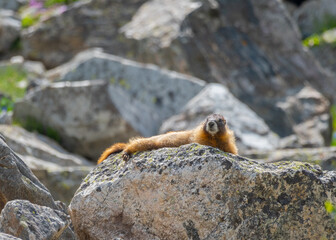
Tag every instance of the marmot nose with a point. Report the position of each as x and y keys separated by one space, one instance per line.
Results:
x=211 y=124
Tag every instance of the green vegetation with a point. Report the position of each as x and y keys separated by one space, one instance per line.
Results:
x=124 y=84
x=325 y=34
x=50 y=3
x=10 y=79
x=29 y=20
x=313 y=40
x=328 y=37
x=16 y=45
x=6 y=104
x=32 y=13
x=33 y=125
x=331 y=209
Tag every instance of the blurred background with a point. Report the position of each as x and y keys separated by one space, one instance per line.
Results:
x=79 y=75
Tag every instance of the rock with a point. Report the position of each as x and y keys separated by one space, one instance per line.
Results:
x=199 y=192
x=10 y=27
x=29 y=74
x=291 y=6
x=60 y=171
x=308 y=110
x=66 y=110
x=18 y=182
x=62 y=182
x=325 y=157
x=13 y=5
x=33 y=68
x=233 y=35
x=4 y=236
x=38 y=151
x=257 y=42
x=325 y=54
x=217 y=30
x=151 y=94
x=32 y=71
x=170 y=14
x=6 y=117
x=25 y=220
x=89 y=134
x=315 y=16
x=250 y=130
x=86 y=24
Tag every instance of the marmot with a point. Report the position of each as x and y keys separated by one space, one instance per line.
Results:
x=212 y=132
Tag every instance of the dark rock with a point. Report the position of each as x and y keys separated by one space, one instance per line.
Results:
x=315 y=16
x=325 y=54
x=25 y=220
x=10 y=27
x=60 y=171
x=18 y=182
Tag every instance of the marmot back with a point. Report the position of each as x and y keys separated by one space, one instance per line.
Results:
x=212 y=132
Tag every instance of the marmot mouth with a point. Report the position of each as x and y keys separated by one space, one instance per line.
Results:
x=212 y=127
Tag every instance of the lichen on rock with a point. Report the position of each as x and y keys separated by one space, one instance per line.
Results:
x=200 y=192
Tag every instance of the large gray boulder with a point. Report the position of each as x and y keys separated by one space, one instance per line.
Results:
x=252 y=47
x=25 y=220
x=133 y=100
x=199 y=192
x=81 y=113
x=10 y=27
x=250 y=130
x=18 y=182
x=315 y=16
x=145 y=95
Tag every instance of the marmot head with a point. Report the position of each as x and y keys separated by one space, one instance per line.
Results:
x=214 y=124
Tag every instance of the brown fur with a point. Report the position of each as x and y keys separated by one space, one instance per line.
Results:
x=115 y=148
x=223 y=139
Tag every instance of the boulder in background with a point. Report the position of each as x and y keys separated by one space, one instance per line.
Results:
x=13 y=5
x=18 y=182
x=252 y=47
x=325 y=157
x=25 y=220
x=60 y=171
x=80 y=114
x=10 y=27
x=250 y=130
x=315 y=16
